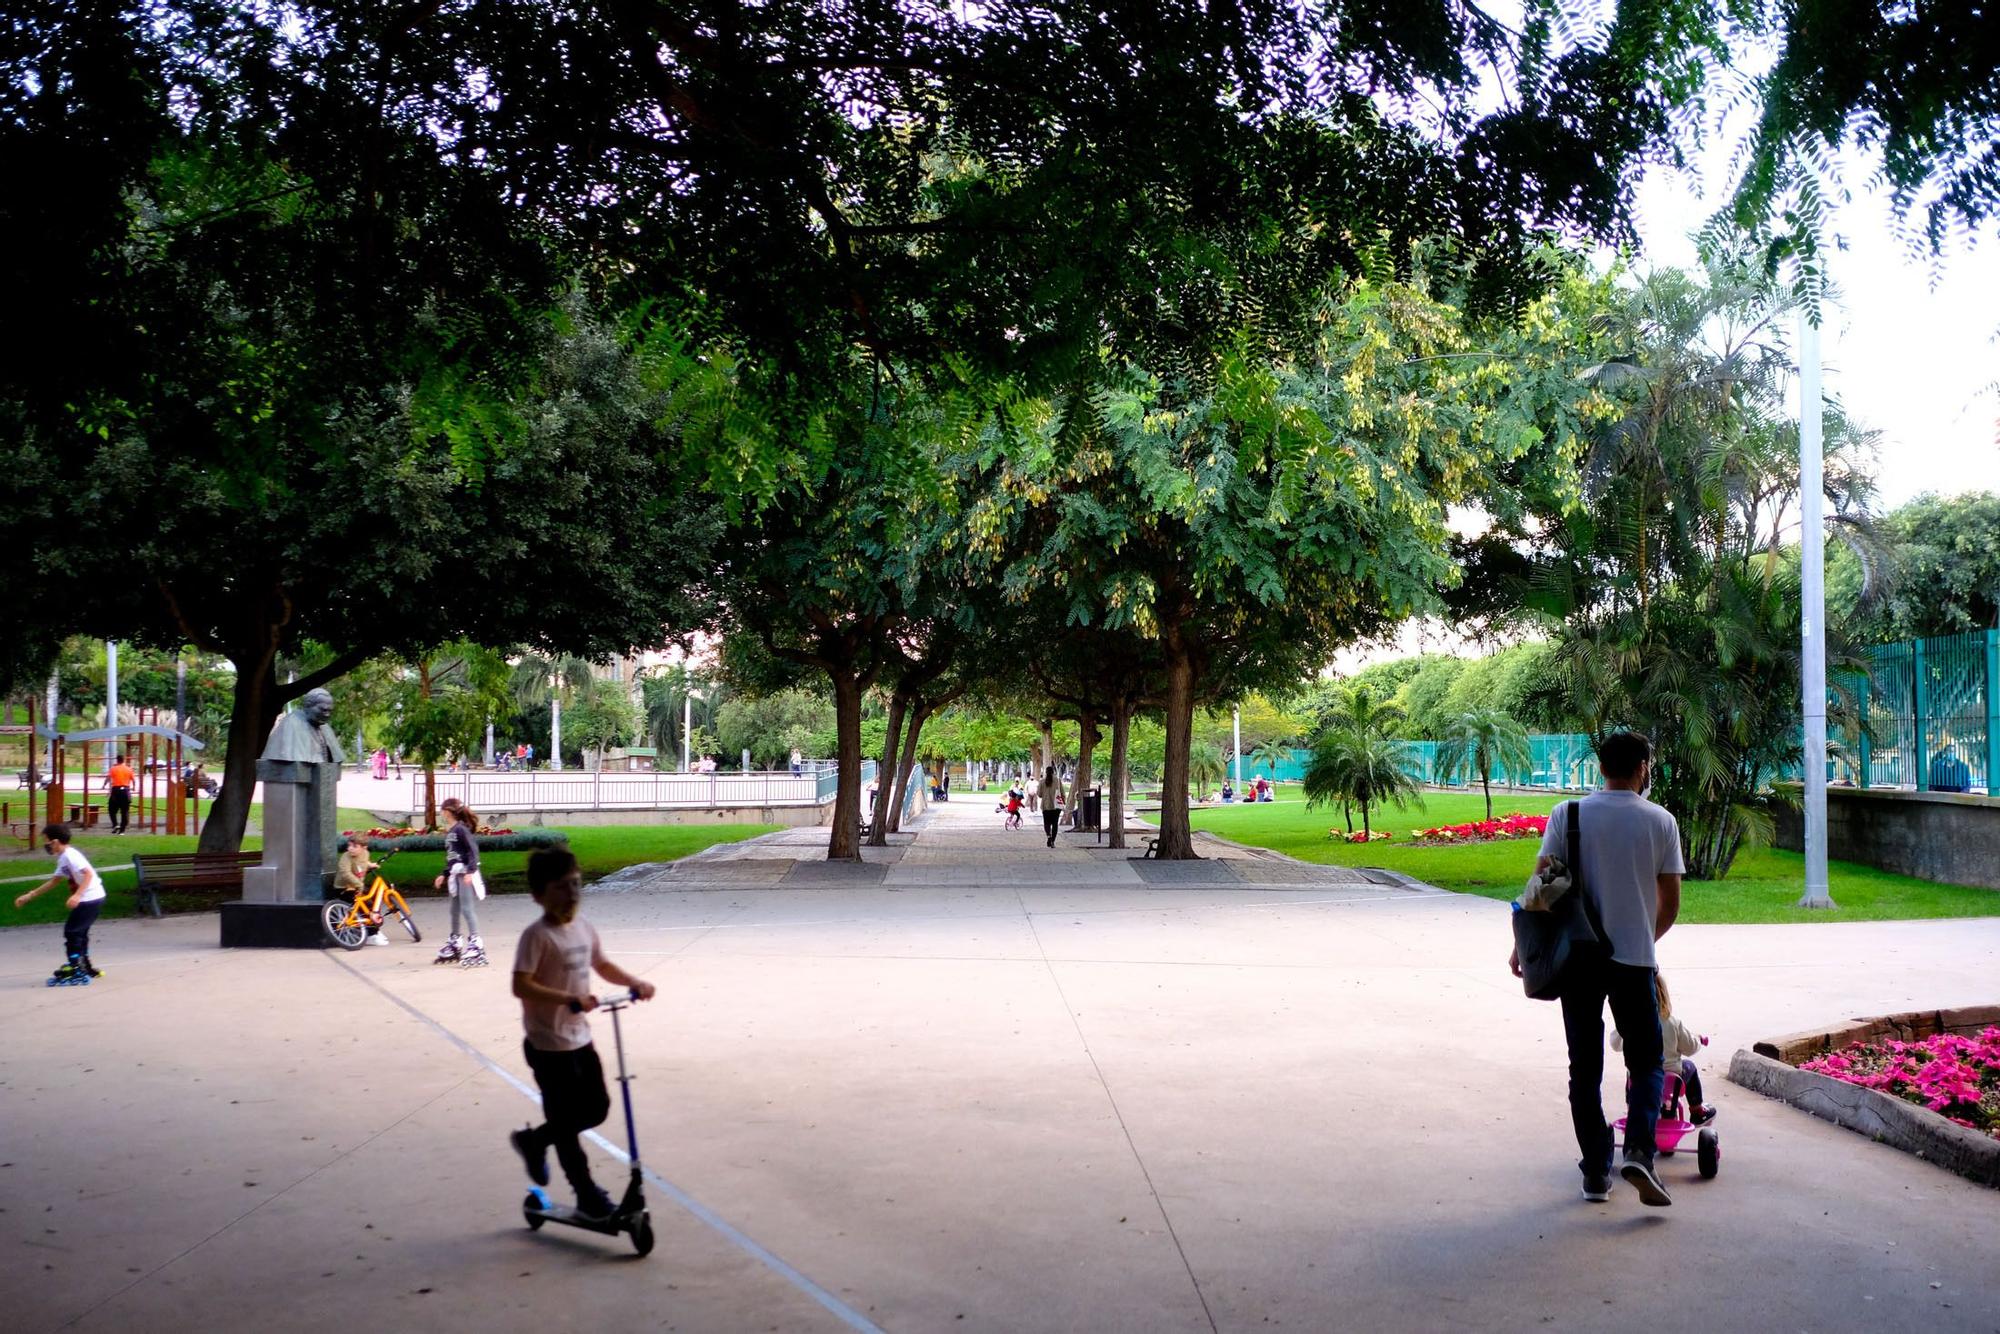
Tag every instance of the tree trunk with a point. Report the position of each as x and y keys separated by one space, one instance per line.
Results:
x=1365 y=832
x=1176 y=835
x=919 y=715
x=1486 y=784
x=885 y=787
x=1047 y=727
x=1121 y=731
x=253 y=708
x=844 y=844
x=1086 y=743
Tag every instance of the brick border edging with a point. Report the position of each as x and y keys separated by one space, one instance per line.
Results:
x=1880 y=1116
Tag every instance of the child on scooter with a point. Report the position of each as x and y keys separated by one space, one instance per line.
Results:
x=1678 y=1045
x=552 y=968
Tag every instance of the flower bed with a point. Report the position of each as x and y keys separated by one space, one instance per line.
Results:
x=1514 y=826
x=1342 y=836
x=490 y=840
x=1956 y=1076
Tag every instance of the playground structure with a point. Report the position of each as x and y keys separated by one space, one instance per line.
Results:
x=164 y=783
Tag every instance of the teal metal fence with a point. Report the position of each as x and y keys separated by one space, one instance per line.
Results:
x=1557 y=762
x=1930 y=714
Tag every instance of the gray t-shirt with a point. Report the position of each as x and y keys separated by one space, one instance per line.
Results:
x=1628 y=842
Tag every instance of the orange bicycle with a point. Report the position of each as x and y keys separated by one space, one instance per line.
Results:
x=348 y=921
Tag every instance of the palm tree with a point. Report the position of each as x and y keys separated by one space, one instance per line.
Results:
x=1270 y=754
x=1204 y=767
x=1365 y=768
x=1485 y=739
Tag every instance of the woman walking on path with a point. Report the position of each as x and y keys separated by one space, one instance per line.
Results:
x=1049 y=790
x=467 y=887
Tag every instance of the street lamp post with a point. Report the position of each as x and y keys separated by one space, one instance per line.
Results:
x=1812 y=616
x=1236 y=731
x=111 y=683
x=555 y=721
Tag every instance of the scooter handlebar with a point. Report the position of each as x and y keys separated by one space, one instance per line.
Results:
x=610 y=1002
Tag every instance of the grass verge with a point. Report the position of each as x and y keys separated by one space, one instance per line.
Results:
x=1762 y=886
x=599 y=849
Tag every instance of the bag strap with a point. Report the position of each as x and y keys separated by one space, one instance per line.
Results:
x=1577 y=886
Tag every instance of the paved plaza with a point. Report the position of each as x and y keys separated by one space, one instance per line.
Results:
x=970 y=1084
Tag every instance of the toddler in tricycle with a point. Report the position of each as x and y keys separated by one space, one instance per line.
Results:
x=1678 y=1045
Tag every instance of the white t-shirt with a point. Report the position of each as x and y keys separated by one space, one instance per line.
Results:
x=1628 y=843
x=72 y=865
x=559 y=957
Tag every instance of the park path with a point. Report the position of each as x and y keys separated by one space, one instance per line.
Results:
x=959 y=1095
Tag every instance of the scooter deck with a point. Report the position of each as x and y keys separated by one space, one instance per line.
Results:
x=621 y=1221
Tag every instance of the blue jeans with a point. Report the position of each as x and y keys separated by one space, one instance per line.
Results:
x=1591 y=979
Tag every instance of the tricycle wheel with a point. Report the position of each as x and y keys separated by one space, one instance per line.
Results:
x=531 y=1211
x=1708 y=1154
x=642 y=1234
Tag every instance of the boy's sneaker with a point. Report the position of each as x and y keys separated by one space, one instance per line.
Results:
x=533 y=1152
x=473 y=955
x=377 y=939
x=1596 y=1185
x=594 y=1204
x=1638 y=1170
x=1701 y=1116
x=447 y=952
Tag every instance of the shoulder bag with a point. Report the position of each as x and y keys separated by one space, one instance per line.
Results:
x=1546 y=939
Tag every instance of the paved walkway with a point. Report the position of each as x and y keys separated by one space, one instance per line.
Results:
x=1025 y=1103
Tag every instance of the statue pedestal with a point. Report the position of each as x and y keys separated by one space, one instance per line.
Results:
x=272 y=926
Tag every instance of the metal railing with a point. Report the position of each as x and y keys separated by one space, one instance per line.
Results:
x=1931 y=710
x=600 y=790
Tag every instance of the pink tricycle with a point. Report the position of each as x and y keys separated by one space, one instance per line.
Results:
x=1674 y=1128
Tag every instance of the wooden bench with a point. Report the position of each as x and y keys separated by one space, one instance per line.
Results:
x=189 y=873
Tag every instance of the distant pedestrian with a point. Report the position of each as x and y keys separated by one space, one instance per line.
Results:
x=118 y=801
x=1050 y=793
x=381 y=764
x=1629 y=852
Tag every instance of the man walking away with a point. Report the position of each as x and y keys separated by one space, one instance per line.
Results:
x=118 y=802
x=1048 y=791
x=1630 y=850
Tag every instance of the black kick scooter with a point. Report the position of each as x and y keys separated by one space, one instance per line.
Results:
x=630 y=1215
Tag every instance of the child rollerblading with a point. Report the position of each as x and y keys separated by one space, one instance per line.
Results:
x=461 y=876
x=552 y=967
x=86 y=900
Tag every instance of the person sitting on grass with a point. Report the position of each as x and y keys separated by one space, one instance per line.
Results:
x=552 y=967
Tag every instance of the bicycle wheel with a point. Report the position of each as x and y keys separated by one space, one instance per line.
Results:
x=409 y=923
x=344 y=927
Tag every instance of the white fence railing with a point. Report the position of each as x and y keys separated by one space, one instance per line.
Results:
x=577 y=790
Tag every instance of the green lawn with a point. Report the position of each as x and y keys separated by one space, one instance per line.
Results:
x=1762 y=887
x=599 y=849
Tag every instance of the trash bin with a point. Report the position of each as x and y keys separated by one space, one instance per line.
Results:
x=1093 y=809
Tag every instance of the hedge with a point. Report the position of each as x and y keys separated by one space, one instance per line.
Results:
x=527 y=840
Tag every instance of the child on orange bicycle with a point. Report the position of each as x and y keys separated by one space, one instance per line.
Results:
x=350 y=877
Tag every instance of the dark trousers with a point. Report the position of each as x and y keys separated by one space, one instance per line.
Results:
x=1050 y=817
x=118 y=808
x=574 y=1100
x=76 y=927
x=1591 y=979
x=1691 y=1083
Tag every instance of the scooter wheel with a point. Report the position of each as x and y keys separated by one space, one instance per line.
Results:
x=531 y=1210
x=642 y=1234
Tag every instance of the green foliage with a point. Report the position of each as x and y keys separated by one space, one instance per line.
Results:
x=771 y=727
x=525 y=840
x=603 y=714
x=442 y=705
x=1359 y=766
x=1424 y=697
x=1680 y=622
x=1944 y=575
